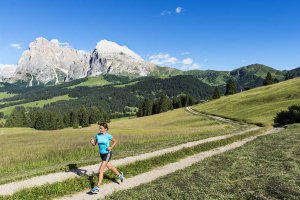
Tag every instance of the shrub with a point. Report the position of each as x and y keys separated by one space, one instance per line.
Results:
x=292 y=115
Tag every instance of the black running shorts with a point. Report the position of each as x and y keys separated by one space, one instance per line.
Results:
x=106 y=156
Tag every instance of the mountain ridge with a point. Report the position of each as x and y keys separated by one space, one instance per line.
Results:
x=47 y=63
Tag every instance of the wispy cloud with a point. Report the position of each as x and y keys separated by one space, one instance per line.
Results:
x=188 y=64
x=179 y=10
x=16 y=46
x=165 y=13
x=190 y=67
x=63 y=44
x=187 y=61
x=163 y=59
x=7 y=70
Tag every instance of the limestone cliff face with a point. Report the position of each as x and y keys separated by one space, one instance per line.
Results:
x=109 y=57
x=49 y=62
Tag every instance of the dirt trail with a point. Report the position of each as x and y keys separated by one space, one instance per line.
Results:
x=195 y=112
x=147 y=177
x=11 y=188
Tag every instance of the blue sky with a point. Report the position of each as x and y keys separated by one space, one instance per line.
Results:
x=186 y=34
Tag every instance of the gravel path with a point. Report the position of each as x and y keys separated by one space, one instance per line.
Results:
x=147 y=177
x=11 y=188
x=195 y=112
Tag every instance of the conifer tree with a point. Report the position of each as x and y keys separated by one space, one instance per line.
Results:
x=163 y=104
x=176 y=102
x=66 y=119
x=74 y=119
x=184 y=100
x=1 y=115
x=140 y=111
x=268 y=80
x=155 y=109
x=216 y=94
x=230 y=87
x=94 y=115
x=83 y=117
x=147 y=107
x=191 y=100
x=17 y=118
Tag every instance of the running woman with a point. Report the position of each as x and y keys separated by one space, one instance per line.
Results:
x=103 y=140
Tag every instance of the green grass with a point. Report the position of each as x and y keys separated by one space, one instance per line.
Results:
x=256 y=170
x=37 y=152
x=93 y=81
x=41 y=103
x=78 y=184
x=258 y=105
x=124 y=85
x=4 y=95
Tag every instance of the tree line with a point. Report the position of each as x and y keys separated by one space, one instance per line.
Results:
x=43 y=119
x=164 y=103
x=231 y=86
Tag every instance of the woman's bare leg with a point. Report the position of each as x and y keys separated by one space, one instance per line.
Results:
x=112 y=168
x=101 y=171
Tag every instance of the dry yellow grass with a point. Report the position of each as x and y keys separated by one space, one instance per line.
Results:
x=35 y=152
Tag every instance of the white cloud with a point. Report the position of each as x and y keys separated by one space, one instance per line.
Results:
x=187 y=61
x=163 y=59
x=63 y=44
x=7 y=70
x=190 y=67
x=179 y=10
x=195 y=66
x=165 y=12
x=15 y=45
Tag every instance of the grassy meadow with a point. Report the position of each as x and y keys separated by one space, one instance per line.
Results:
x=4 y=95
x=256 y=170
x=258 y=105
x=37 y=152
x=73 y=185
x=41 y=103
x=124 y=85
x=93 y=81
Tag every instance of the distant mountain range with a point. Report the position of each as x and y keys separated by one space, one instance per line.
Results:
x=48 y=63
x=246 y=77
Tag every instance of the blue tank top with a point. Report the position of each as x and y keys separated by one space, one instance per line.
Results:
x=103 y=142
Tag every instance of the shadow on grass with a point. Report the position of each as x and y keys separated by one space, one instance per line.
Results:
x=93 y=184
x=73 y=168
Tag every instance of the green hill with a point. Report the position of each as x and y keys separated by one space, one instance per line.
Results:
x=292 y=73
x=246 y=77
x=210 y=77
x=165 y=72
x=258 y=105
x=253 y=75
x=121 y=92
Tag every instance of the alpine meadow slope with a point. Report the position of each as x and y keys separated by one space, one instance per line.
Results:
x=258 y=105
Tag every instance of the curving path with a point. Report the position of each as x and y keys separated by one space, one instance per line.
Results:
x=11 y=188
x=147 y=177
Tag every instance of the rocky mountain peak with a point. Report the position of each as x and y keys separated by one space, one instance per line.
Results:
x=51 y=62
x=109 y=48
